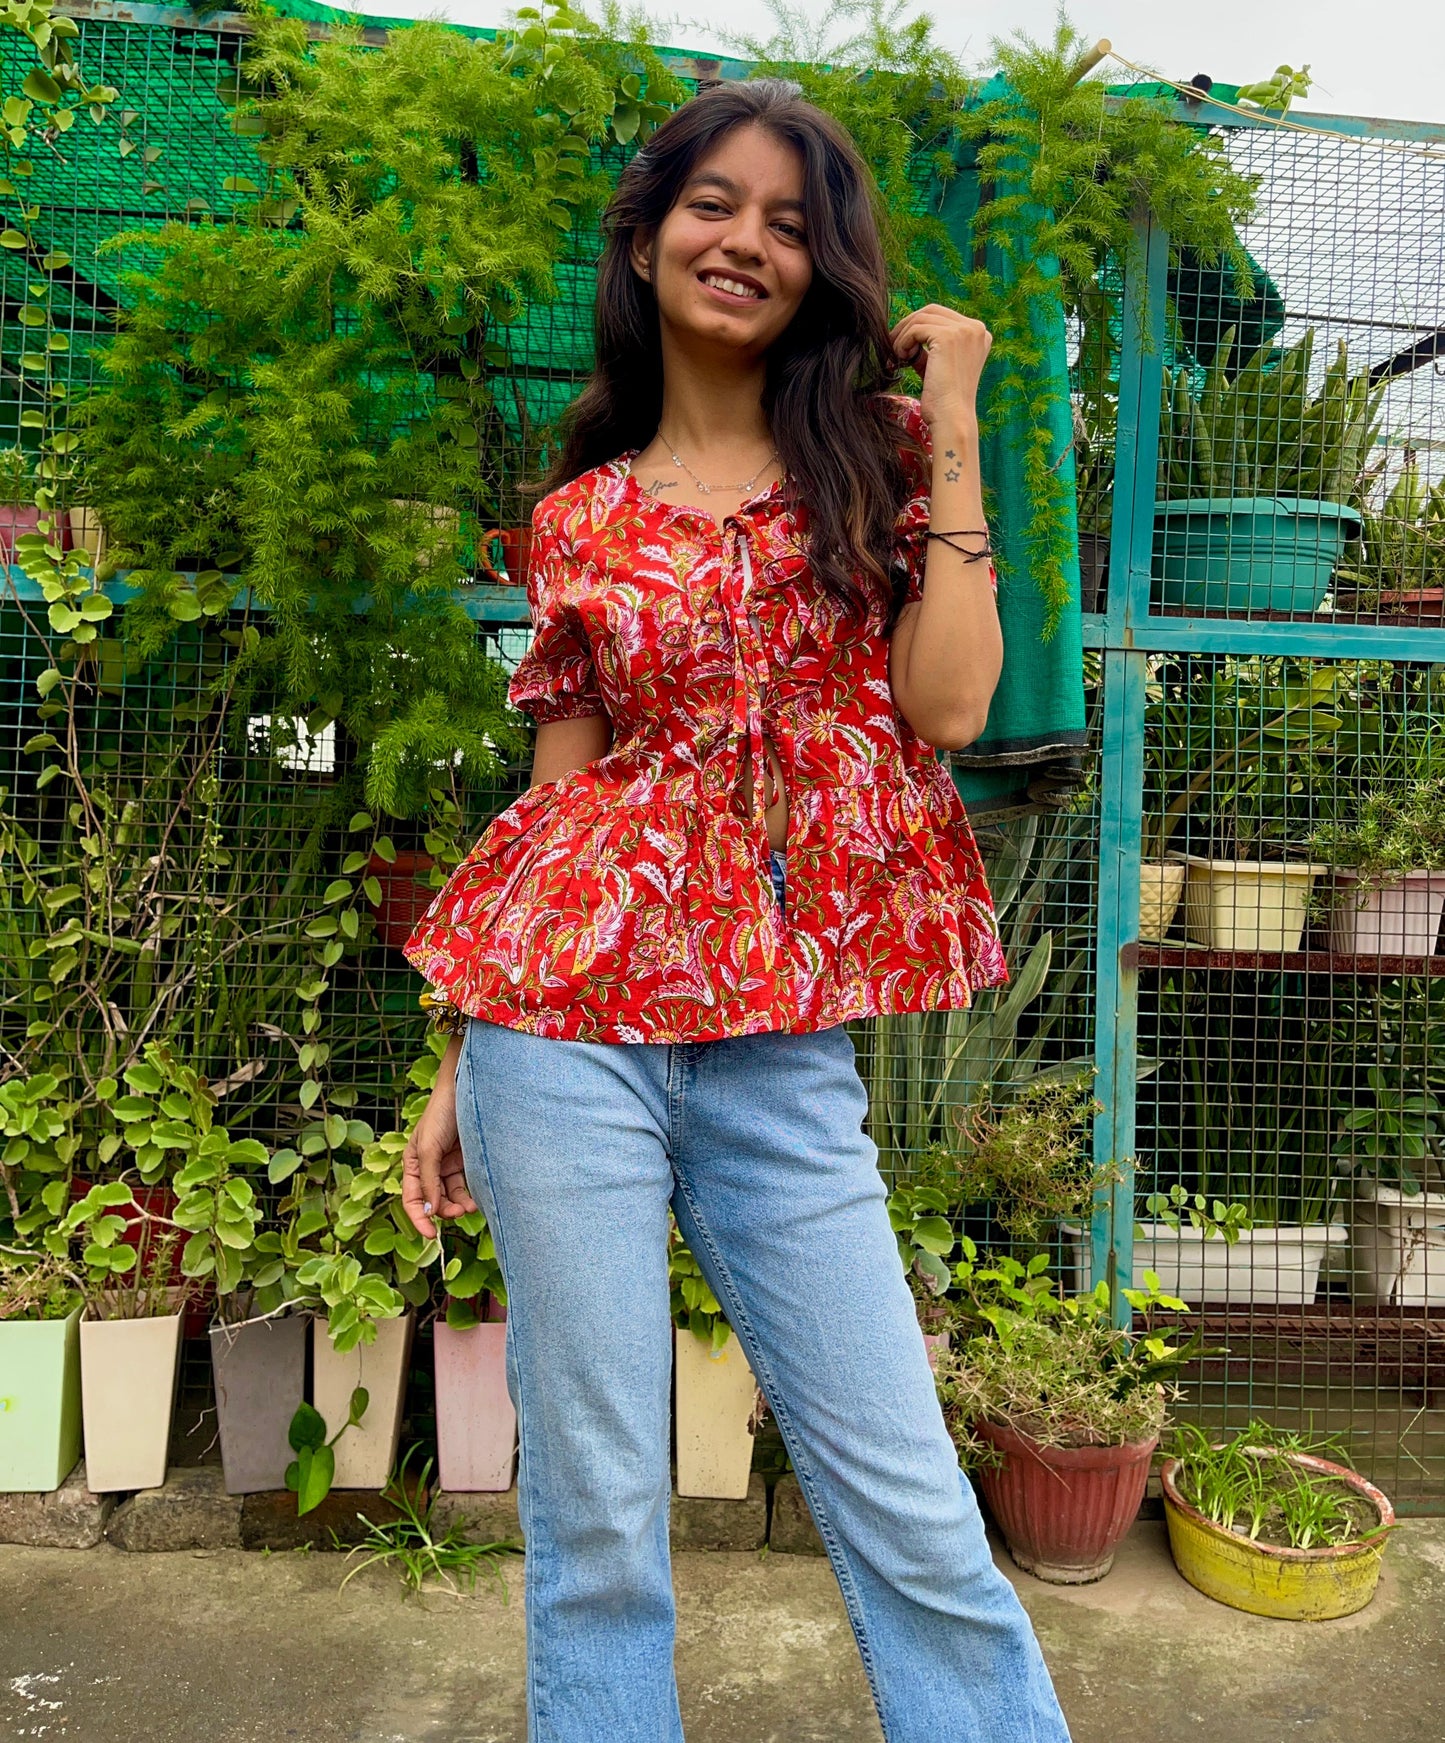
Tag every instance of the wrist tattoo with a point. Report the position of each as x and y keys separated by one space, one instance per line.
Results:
x=950 y=454
x=952 y=474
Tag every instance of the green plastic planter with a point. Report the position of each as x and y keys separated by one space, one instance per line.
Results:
x=39 y=1402
x=1248 y=553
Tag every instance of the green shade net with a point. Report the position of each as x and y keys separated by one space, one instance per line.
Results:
x=1031 y=754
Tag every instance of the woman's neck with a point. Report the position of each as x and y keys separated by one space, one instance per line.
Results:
x=712 y=406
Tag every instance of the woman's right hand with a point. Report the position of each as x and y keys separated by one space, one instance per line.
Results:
x=434 y=1182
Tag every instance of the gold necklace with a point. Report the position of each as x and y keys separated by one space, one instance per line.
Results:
x=708 y=489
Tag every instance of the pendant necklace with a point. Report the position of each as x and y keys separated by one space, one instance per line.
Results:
x=708 y=489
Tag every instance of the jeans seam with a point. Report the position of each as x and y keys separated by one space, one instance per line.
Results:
x=737 y=1317
x=534 y=1692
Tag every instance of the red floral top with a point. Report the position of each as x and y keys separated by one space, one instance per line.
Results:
x=630 y=900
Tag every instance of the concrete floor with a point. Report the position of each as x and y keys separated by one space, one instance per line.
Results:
x=226 y=1646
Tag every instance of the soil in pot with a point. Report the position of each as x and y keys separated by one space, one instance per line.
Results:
x=260 y=1377
x=1063 y=1510
x=39 y=1403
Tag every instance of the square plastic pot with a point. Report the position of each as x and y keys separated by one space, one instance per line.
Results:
x=1241 y=904
x=1270 y=1267
x=476 y=1421
x=364 y=1454
x=1397 y=1247
x=714 y=1404
x=259 y=1368
x=128 y=1391
x=1395 y=919
x=39 y=1402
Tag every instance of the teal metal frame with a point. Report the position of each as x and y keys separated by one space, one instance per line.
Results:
x=1127 y=633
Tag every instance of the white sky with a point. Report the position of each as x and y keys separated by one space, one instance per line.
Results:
x=1382 y=59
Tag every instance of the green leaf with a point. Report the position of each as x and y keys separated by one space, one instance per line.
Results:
x=41 y=88
x=12 y=239
x=308 y=1428
x=360 y=1399
x=317 y=1469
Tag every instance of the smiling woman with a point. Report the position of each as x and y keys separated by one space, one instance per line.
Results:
x=752 y=554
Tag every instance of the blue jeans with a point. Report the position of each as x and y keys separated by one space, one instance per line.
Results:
x=576 y=1150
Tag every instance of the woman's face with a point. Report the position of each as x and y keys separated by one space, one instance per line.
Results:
x=729 y=263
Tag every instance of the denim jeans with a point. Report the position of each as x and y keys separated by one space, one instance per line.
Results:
x=576 y=1150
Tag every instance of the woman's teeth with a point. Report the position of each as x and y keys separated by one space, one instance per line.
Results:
x=732 y=285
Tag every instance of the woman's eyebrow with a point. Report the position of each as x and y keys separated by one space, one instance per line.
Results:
x=729 y=186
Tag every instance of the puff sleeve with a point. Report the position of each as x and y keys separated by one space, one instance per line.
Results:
x=555 y=679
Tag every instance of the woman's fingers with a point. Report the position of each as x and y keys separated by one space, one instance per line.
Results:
x=420 y=1189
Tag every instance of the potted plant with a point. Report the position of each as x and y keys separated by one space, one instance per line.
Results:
x=1399 y=570
x=1229 y=741
x=1259 y=479
x=1058 y=1411
x=476 y=1418
x=40 y=1308
x=1390 y=1150
x=1389 y=871
x=130 y=1339
x=716 y=1398
x=1265 y=1524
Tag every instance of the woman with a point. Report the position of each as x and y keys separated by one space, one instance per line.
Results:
x=762 y=601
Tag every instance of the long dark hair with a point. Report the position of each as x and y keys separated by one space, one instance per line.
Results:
x=837 y=441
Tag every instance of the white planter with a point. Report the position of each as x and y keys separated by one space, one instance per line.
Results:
x=1396 y=919
x=364 y=1454
x=1397 y=1247
x=714 y=1403
x=1161 y=883
x=128 y=1390
x=1271 y=1267
x=1240 y=904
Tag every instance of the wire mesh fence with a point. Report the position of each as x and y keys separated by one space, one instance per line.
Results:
x=1289 y=979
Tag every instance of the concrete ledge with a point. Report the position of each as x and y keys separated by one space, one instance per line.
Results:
x=268 y=1520
x=69 y=1517
x=489 y=1517
x=190 y=1510
x=705 y=1523
x=792 y=1531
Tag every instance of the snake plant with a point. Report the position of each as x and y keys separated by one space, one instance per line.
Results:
x=1258 y=431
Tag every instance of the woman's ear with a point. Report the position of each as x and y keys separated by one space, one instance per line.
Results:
x=640 y=253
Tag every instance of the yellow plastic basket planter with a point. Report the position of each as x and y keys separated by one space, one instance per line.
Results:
x=1295 y=1585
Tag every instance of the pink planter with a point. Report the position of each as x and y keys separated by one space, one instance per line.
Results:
x=935 y=1342
x=1064 y=1510
x=1398 y=919
x=476 y=1423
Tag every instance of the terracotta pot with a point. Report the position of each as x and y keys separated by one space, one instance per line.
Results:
x=1064 y=1510
x=364 y=1454
x=516 y=555
x=935 y=1342
x=476 y=1421
x=128 y=1390
x=260 y=1375
x=405 y=896
x=714 y=1405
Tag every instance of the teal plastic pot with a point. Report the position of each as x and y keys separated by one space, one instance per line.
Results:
x=39 y=1402
x=1248 y=553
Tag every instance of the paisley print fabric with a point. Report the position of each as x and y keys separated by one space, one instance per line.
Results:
x=631 y=899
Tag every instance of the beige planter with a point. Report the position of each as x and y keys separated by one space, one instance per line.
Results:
x=87 y=532
x=715 y=1395
x=128 y=1391
x=364 y=1454
x=1161 y=883
x=1241 y=904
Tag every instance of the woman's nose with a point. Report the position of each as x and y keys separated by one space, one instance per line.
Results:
x=745 y=235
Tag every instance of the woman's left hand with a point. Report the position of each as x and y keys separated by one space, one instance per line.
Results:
x=949 y=351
